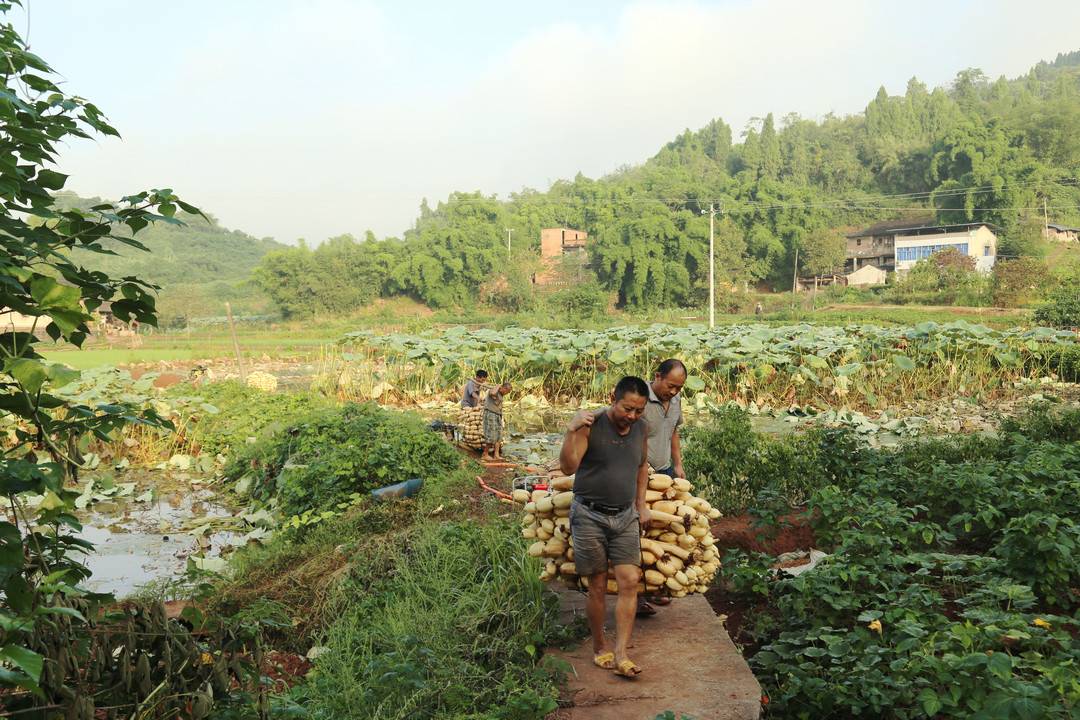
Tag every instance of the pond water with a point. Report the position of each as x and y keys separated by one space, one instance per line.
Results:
x=137 y=542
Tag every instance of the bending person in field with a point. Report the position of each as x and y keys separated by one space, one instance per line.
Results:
x=493 y=417
x=470 y=396
x=606 y=451
x=663 y=416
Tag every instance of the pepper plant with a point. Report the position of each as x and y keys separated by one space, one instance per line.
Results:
x=42 y=610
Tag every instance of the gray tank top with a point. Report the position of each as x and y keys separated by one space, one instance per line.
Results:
x=608 y=470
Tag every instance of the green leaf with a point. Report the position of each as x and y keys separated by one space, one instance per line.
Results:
x=903 y=362
x=51 y=180
x=60 y=610
x=61 y=375
x=695 y=383
x=26 y=660
x=1027 y=709
x=1000 y=664
x=51 y=501
x=50 y=294
x=930 y=702
x=31 y=374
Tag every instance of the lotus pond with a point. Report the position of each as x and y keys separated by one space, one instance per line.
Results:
x=861 y=366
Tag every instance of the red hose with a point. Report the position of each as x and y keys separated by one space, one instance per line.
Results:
x=497 y=493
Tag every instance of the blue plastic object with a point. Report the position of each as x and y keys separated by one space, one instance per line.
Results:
x=402 y=489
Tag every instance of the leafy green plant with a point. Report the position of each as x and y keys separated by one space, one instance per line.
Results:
x=326 y=456
x=244 y=414
x=853 y=365
x=733 y=466
x=1062 y=307
x=583 y=301
x=454 y=629
x=950 y=588
x=54 y=655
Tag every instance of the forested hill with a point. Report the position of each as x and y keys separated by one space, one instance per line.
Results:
x=193 y=253
x=978 y=149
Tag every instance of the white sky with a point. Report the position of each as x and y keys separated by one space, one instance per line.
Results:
x=313 y=118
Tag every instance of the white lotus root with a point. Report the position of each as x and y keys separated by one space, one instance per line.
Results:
x=262 y=381
x=678 y=553
x=472 y=426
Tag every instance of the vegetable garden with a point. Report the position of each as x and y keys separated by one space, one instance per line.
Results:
x=952 y=588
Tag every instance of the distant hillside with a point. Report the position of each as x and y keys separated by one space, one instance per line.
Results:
x=998 y=151
x=195 y=253
x=199 y=265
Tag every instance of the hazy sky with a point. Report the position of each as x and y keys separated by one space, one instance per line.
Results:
x=318 y=117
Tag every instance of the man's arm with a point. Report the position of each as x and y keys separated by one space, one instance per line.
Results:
x=575 y=442
x=643 y=484
x=676 y=454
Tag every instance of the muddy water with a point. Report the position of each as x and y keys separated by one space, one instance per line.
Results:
x=136 y=543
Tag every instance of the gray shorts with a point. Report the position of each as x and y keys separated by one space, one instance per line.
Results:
x=600 y=539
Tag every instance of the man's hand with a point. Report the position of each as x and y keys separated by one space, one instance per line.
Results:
x=644 y=516
x=582 y=419
x=679 y=471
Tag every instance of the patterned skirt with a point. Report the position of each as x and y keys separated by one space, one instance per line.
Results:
x=492 y=427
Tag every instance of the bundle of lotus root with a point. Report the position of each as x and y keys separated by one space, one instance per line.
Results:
x=472 y=426
x=678 y=553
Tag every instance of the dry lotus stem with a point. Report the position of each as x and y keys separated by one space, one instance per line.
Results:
x=678 y=552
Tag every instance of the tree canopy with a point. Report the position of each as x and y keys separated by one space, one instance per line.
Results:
x=974 y=151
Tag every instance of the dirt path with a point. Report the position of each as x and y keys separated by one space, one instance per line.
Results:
x=958 y=309
x=690 y=666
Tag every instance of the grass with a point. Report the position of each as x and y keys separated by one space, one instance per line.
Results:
x=454 y=631
x=428 y=607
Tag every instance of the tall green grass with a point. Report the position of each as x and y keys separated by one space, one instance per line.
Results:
x=454 y=630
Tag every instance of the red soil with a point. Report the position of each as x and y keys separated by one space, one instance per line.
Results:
x=738 y=532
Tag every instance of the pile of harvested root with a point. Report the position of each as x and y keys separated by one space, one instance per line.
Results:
x=678 y=553
x=472 y=426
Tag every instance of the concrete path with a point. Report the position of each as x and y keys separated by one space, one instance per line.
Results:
x=690 y=666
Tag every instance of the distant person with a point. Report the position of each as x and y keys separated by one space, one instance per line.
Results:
x=470 y=398
x=607 y=452
x=758 y=309
x=493 y=417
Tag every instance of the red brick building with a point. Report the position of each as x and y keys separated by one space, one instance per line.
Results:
x=557 y=247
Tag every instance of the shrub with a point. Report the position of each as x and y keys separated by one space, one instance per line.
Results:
x=585 y=300
x=1062 y=309
x=731 y=465
x=244 y=413
x=512 y=293
x=1017 y=282
x=325 y=457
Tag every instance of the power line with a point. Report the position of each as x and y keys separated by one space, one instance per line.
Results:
x=861 y=202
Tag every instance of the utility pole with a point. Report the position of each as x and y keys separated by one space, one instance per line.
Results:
x=1046 y=223
x=795 y=274
x=235 y=342
x=712 y=270
x=509 y=232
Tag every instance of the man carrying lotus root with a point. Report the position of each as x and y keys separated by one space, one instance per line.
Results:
x=663 y=416
x=607 y=453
